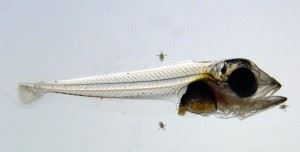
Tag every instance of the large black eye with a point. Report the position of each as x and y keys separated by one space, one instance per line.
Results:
x=243 y=82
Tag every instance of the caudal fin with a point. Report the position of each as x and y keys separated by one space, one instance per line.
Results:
x=28 y=92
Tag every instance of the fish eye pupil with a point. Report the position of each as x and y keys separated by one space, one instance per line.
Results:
x=243 y=82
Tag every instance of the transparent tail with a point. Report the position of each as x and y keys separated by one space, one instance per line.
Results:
x=29 y=92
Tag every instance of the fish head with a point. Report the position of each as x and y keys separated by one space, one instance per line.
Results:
x=241 y=88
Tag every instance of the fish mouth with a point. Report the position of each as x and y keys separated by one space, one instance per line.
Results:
x=275 y=99
x=267 y=91
x=263 y=100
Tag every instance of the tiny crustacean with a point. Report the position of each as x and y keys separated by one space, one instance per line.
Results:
x=161 y=125
x=161 y=56
x=225 y=88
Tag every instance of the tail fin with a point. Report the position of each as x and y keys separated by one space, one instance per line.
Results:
x=28 y=92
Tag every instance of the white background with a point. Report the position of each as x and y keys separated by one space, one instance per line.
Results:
x=61 y=39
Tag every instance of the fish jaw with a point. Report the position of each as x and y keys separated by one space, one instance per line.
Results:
x=230 y=105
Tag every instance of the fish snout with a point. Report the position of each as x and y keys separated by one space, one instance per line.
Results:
x=275 y=83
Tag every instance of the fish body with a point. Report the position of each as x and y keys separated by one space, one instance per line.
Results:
x=150 y=83
x=200 y=87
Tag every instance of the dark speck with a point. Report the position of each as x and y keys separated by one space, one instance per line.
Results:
x=161 y=125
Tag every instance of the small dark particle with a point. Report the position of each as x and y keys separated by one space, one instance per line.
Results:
x=161 y=56
x=283 y=106
x=161 y=125
x=55 y=81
